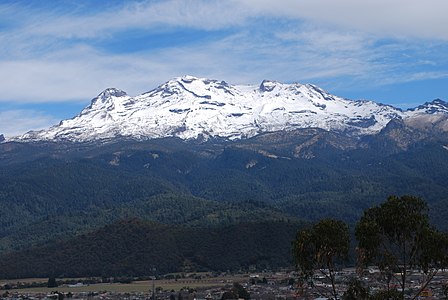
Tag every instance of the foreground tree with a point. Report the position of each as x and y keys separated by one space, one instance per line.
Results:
x=445 y=291
x=356 y=291
x=319 y=248
x=396 y=236
x=237 y=292
x=389 y=295
x=51 y=283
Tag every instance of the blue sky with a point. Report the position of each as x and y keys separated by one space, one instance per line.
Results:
x=55 y=56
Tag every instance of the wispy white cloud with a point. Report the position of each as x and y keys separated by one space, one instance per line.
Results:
x=397 y=18
x=411 y=77
x=15 y=122
x=200 y=14
x=71 y=75
x=54 y=55
x=81 y=72
x=385 y=18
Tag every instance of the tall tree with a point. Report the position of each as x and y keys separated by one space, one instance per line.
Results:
x=319 y=248
x=52 y=282
x=445 y=291
x=356 y=291
x=397 y=237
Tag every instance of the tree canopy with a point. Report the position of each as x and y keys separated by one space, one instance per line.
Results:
x=321 y=247
x=397 y=237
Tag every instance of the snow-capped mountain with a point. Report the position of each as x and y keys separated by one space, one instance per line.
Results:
x=190 y=107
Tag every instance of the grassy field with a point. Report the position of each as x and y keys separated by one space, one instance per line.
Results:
x=134 y=287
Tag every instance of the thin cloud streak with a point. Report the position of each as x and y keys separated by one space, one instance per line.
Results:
x=206 y=15
x=417 y=76
x=384 y=18
x=15 y=122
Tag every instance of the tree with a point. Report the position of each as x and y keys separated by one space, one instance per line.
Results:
x=445 y=291
x=319 y=248
x=240 y=291
x=389 y=295
x=172 y=296
x=228 y=295
x=397 y=237
x=356 y=291
x=237 y=292
x=52 y=282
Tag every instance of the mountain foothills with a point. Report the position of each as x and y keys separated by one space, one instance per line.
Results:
x=132 y=248
x=202 y=170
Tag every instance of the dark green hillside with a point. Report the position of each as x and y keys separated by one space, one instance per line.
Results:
x=168 y=208
x=48 y=187
x=50 y=190
x=134 y=247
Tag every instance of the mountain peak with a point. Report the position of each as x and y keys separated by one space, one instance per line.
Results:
x=439 y=102
x=106 y=96
x=433 y=107
x=189 y=107
x=111 y=92
x=268 y=85
x=188 y=78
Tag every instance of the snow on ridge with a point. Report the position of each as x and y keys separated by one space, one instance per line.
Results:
x=189 y=107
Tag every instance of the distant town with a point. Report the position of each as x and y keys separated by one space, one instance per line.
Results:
x=209 y=286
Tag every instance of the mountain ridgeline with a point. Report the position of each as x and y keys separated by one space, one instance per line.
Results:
x=201 y=169
x=199 y=108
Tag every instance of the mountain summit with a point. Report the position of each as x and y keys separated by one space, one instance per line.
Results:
x=189 y=107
